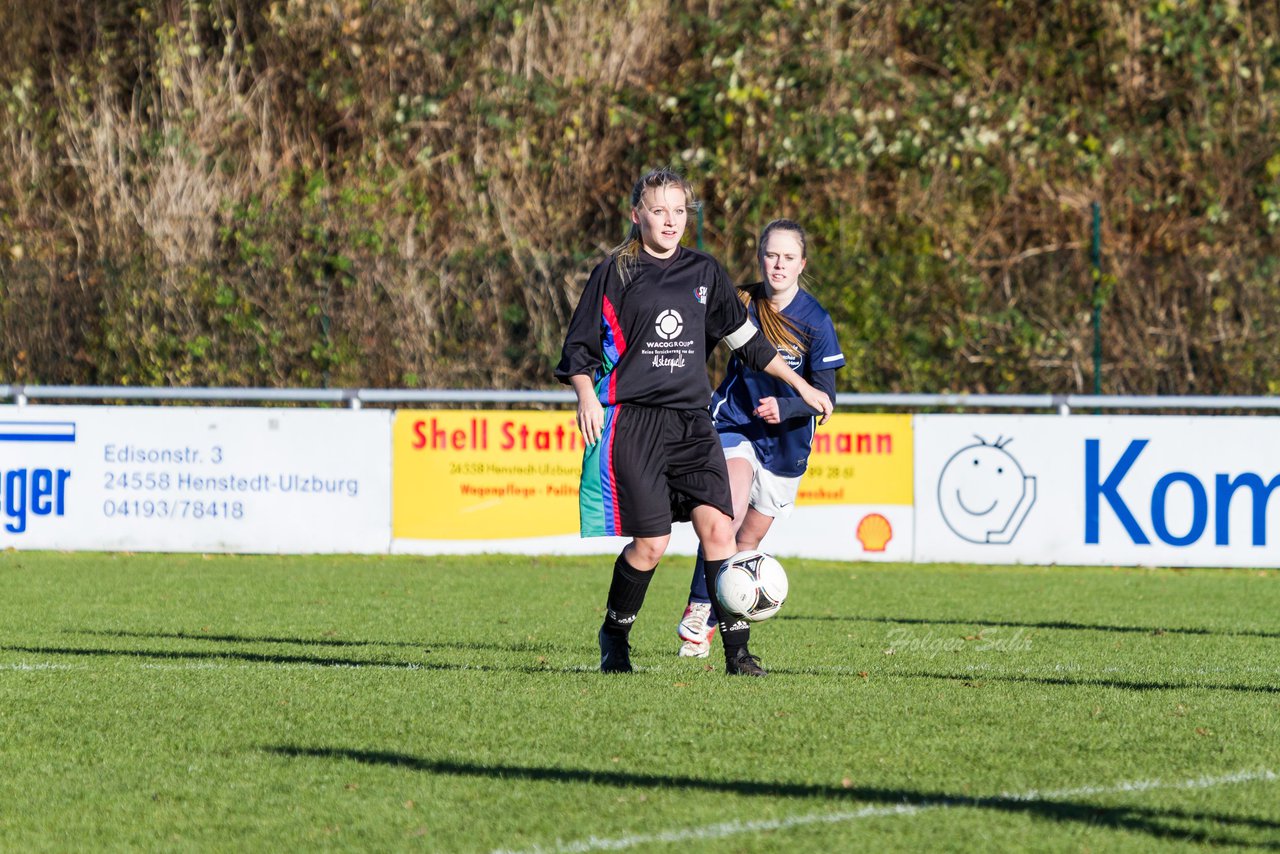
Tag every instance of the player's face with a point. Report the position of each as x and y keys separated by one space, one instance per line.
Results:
x=662 y=216
x=782 y=261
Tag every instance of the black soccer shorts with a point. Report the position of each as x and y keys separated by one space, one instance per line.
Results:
x=651 y=467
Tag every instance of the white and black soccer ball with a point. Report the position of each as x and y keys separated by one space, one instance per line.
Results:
x=752 y=585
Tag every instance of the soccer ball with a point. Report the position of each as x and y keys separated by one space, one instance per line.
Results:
x=752 y=585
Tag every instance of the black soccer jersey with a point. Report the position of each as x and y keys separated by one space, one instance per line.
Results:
x=646 y=342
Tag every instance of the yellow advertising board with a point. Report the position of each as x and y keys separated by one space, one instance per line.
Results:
x=493 y=475
x=860 y=459
x=480 y=475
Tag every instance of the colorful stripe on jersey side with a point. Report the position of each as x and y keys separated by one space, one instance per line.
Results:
x=598 y=509
x=612 y=511
x=614 y=344
x=590 y=502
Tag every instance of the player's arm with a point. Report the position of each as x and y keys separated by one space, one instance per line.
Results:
x=751 y=346
x=729 y=321
x=582 y=355
x=794 y=407
x=814 y=398
x=582 y=352
x=824 y=350
x=786 y=408
x=590 y=410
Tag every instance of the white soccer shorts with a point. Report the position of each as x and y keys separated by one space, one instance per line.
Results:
x=771 y=494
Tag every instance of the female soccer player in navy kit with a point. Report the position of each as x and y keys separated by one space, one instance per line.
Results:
x=765 y=429
x=636 y=356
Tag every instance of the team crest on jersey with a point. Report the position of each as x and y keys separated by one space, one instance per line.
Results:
x=669 y=324
x=700 y=294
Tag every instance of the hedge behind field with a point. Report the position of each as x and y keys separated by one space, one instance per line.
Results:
x=395 y=193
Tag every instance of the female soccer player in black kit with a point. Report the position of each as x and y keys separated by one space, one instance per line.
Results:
x=636 y=355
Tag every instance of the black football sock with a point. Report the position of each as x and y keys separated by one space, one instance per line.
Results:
x=626 y=596
x=734 y=632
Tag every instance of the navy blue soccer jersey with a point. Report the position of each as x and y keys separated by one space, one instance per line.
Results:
x=782 y=448
x=646 y=342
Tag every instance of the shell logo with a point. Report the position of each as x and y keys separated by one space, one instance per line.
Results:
x=874 y=532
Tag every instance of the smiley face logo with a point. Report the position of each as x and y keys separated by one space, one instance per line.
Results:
x=983 y=493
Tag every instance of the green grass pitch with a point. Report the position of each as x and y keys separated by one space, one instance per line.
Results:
x=188 y=702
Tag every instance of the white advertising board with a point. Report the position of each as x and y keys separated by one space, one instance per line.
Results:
x=195 y=479
x=1123 y=490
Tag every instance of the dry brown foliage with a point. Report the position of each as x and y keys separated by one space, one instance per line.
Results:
x=388 y=193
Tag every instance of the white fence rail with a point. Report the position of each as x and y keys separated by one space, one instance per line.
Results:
x=356 y=398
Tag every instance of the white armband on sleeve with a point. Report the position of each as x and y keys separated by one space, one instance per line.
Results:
x=741 y=335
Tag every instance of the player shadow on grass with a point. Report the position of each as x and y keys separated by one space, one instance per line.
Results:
x=1048 y=624
x=1157 y=823
x=277 y=658
x=425 y=646
x=206 y=636
x=976 y=680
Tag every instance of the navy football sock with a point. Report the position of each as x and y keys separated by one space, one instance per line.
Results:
x=698 y=586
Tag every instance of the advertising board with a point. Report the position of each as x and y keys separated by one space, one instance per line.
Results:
x=188 y=479
x=1045 y=489
x=1125 y=490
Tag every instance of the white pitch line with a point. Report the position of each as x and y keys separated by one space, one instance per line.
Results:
x=734 y=828
x=1146 y=786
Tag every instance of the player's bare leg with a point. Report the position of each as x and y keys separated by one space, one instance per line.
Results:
x=754 y=526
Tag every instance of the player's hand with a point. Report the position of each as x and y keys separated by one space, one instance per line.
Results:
x=590 y=419
x=768 y=410
x=818 y=400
